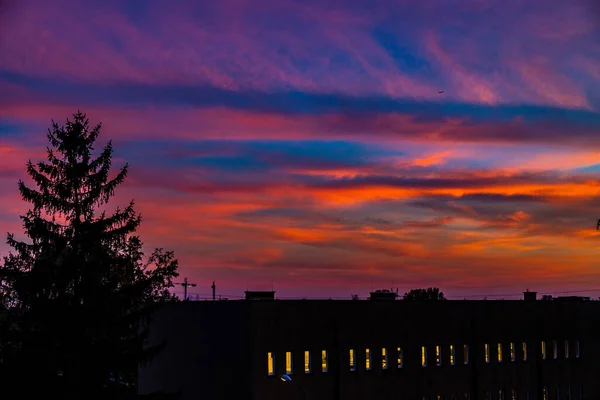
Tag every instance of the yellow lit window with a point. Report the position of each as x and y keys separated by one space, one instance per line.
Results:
x=577 y=349
x=400 y=357
x=384 y=358
x=501 y=394
x=487 y=353
x=270 y=364
x=352 y=360
x=566 y=349
x=524 y=351
x=513 y=356
x=324 y=361
x=368 y=359
x=288 y=363
x=513 y=394
x=438 y=355
x=545 y=393
x=554 y=350
x=543 y=349
x=466 y=353
x=424 y=356
x=452 y=355
x=499 y=352
x=307 y=363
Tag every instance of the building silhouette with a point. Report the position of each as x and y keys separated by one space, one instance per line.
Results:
x=367 y=350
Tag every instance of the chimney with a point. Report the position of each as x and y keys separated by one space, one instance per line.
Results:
x=259 y=295
x=213 y=289
x=529 y=296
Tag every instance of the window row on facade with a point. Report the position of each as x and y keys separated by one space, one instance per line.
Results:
x=386 y=359
x=557 y=393
x=567 y=392
x=556 y=351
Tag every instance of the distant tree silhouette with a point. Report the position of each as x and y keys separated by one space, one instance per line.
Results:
x=79 y=294
x=431 y=293
x=547 y=297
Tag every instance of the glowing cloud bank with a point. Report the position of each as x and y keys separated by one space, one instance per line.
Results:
x=332 y=147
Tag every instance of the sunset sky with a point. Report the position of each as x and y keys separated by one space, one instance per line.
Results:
x=306 y=142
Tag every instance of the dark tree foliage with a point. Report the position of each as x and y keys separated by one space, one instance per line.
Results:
x=428 y=294
x=78 y=294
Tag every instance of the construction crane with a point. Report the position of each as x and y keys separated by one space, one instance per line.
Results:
x=185 y=285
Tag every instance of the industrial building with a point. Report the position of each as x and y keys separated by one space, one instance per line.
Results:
x=366 y=350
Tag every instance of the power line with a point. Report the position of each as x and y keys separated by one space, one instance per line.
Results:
x=468 y=296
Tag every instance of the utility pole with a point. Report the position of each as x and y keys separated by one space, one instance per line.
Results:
x=185 y=285
x=213 y=289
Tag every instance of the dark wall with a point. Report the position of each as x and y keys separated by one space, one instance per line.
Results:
x=219 y=350
x=338 y=326
x=207 y=355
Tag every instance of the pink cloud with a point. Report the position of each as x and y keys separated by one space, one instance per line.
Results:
x=237 y=45
x=453 y=201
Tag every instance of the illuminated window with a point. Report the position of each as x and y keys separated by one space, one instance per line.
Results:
x=499 y=352
x=368 y=359
x=324 y=361
x=452 y=355
x=424 y=356
x=270 y=364
x=566 y=349
x=501 y=394
x=543 y=349
x=513 y=394
x=438 y=355
x=577 y=349
x=352 y=360
x=513 y=356
x=440 y=397
x=524 y=351
x=466 y=353
x=400 y=357
x=545 y=393
x=288 y=363
x=488 y=395
x=307 y=363
x=554 y=350
x=384 y=358
x=486 y=351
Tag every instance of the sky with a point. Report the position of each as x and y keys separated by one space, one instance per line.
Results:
x=329 y=148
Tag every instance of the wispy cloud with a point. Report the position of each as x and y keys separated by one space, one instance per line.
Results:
x=327 y=145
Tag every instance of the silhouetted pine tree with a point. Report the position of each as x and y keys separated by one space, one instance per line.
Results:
x=80 y=291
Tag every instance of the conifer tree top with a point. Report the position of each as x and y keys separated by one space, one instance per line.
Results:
x=71 y=182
